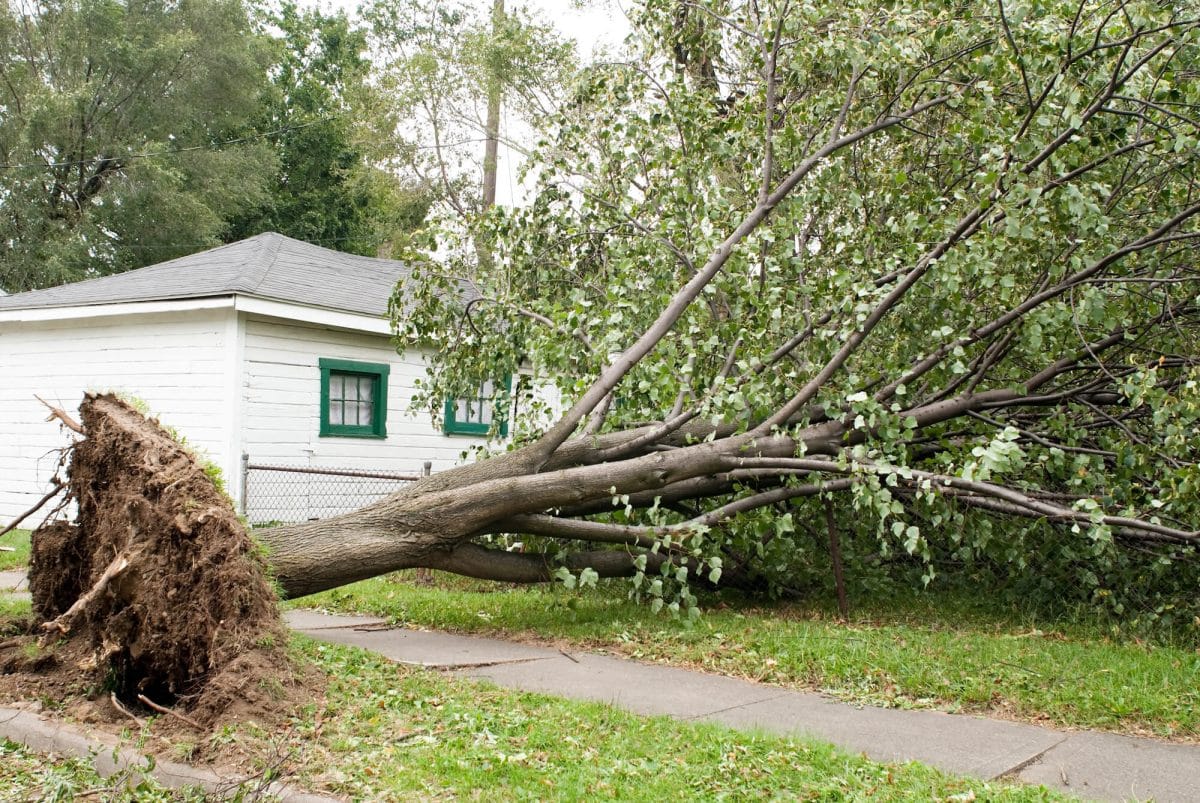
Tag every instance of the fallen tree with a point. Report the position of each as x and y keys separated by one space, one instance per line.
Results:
x=936 y=268
x=958 y=307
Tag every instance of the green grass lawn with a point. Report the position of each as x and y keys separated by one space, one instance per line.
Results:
x=19 y=541
x=935 y=650
x=11 y=608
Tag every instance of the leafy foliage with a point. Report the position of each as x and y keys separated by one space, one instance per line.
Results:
x=115 y=135
x=326 y=116
x=135 y=132
x=30 y=776
x=933 y=262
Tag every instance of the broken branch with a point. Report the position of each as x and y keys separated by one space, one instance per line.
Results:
x=112 y=698
x=63 y=623
x=61 y=415
x=12 y=525
x=162 y=709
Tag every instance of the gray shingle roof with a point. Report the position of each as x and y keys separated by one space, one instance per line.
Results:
x=269 y=266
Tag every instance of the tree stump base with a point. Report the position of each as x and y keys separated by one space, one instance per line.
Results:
x=156 y=589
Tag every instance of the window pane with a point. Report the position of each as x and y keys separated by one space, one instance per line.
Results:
x=476 y=411
x=350 y=392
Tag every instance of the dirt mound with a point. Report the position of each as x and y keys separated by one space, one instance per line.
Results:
x=155 y=589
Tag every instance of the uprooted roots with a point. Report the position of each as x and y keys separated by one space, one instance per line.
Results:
x=155 y=589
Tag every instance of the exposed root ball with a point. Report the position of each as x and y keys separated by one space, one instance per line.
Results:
x=156 y=588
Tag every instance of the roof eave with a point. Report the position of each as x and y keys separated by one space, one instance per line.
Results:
x=63 y=312
x=242 y=302
x=321 y=316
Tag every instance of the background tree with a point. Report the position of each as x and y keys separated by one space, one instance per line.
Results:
x=450 y=71
x=326 y=116
x=115 y=140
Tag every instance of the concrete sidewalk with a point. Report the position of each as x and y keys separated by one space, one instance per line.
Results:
x=14 y=585
x=13 y=580
x=1100 y=766
x=110 y=758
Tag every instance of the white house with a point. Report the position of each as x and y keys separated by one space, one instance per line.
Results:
x=269 y=347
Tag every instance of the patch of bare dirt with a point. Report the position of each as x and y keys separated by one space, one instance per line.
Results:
x=155 y=592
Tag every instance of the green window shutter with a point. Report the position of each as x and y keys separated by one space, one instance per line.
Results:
x=353 y=399
x=475 y=415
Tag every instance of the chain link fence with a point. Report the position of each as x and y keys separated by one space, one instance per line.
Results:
x=282 y=494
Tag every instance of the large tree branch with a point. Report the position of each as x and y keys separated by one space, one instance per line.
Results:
x=1158 y=237
x=472 y=560
x=648 y=536
x=934 y=482
x=625 y=362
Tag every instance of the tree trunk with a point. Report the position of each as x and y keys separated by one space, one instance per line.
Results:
x=431 y=522
x=492 y=134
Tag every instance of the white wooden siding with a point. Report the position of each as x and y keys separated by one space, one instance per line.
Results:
x=230 y=382
x=282 y=391
x=176 y=363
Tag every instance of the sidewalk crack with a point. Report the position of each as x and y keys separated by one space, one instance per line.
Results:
x=735 y=707
x=482 y=664
x=1011 y=772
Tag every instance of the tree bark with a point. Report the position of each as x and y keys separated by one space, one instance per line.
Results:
x=492 y=133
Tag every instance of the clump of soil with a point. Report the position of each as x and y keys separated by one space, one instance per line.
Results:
x=154 y=590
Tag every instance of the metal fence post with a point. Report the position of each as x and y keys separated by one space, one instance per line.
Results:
x=245 y=480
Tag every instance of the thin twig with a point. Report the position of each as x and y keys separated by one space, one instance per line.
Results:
x=162 y=709
x=117 y=705
x=12 y=525
x=61 y=415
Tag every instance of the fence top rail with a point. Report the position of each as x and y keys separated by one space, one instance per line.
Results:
x=336 y=472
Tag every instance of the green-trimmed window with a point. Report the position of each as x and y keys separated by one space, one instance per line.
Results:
x=353 y=399
x=474 y=415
